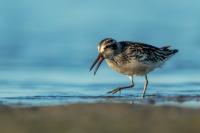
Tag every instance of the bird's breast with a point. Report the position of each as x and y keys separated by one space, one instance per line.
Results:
x=132 y=68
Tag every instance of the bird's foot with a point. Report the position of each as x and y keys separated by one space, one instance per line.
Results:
x=114 y=91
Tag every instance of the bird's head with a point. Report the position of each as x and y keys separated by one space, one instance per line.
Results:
x=107 y=48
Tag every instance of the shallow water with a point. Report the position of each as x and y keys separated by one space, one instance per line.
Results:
x=46 y=49
x=38 y=87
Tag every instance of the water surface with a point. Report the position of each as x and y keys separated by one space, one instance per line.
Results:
x=56 y=87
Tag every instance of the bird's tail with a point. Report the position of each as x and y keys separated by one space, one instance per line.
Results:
x=168 y=50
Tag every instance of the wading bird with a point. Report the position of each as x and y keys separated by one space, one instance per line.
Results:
x=132 y=59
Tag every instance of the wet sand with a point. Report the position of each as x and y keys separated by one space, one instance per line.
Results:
x=99 y=118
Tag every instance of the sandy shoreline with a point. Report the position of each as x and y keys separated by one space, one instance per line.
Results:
x=98 y=118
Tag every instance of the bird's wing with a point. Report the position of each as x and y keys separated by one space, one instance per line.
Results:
x=143 y=52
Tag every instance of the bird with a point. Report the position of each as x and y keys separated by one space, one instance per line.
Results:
x=132 y=59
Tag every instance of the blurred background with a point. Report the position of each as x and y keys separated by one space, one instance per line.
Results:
x=45 y=43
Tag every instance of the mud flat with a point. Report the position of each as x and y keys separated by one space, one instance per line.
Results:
x=99 y=118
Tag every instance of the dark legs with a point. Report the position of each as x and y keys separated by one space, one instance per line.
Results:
x=145 y=86
x=122 y=88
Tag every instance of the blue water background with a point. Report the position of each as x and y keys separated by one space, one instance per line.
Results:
x=47 y=47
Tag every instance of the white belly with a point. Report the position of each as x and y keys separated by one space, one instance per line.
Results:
x=133 y=68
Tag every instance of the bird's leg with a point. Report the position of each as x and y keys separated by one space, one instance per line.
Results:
x=145 y=86
x=122 y=88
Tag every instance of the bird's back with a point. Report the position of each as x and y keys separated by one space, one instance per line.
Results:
x=145 y=53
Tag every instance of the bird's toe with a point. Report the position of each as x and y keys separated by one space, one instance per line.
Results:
x=114 y=91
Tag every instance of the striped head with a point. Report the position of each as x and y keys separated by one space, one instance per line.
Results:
x=107 y=48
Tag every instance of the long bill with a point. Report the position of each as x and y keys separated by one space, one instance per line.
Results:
x=98 y=61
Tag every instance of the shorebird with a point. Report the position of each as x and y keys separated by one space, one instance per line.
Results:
x=132 y=59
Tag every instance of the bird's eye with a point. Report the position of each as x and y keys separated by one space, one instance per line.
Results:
x=108 y=46
x=112 y=46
